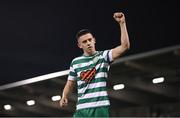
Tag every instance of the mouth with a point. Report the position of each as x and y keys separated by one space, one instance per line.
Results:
x=90 y=47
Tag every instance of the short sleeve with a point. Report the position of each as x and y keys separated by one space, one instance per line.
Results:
x=107 y=55
x=72 y=74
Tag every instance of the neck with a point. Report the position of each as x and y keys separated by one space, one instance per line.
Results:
x=89 y=54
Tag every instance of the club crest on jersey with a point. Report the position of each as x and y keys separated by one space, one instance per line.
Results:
x=88 y=75
x=95 y=60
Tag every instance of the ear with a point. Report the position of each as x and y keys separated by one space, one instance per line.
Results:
x=79 y=45
x=94 y=40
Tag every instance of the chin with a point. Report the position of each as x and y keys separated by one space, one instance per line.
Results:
x=92 y=52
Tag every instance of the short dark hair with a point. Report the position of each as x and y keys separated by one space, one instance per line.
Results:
x=82 y=32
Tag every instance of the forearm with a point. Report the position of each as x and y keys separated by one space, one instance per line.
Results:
x=67 y=89
x=124 y=39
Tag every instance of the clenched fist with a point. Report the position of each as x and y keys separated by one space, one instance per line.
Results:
x=119 y=17
x=63 y=102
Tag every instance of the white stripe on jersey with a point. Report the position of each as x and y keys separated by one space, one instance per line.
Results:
x=93 y=85
x=93 y=95
x=72 y=78
x=93 y=104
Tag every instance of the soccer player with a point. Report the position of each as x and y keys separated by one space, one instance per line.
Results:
x=90 y=72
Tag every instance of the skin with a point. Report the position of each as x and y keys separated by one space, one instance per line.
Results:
x=87 y=44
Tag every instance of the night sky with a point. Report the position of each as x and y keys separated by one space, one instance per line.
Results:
x=38 y=37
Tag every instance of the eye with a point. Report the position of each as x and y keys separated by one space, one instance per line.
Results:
x=90 y=39
x=84 y=41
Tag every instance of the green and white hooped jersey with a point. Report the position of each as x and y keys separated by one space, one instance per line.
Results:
x=90 y=72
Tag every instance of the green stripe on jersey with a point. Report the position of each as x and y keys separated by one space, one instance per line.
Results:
x=88 y=100
x=84 y=59
x=93 y=90
x=72 y=73
x=88 y=66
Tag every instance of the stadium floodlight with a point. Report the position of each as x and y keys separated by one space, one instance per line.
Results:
x=7 y=107
x=56 y=98
x=30 y=102
x=118 y=86
x=158 y=80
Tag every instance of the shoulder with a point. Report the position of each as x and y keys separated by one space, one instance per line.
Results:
x=104 y=52
x=76 y=60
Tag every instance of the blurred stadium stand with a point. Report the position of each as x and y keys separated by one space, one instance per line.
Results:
x=140 y=97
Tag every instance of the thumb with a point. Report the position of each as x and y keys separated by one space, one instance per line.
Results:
x=65 y=101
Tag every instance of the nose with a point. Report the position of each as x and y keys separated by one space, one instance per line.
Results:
x=88 y=42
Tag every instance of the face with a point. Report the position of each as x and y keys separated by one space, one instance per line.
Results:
x=87 y=43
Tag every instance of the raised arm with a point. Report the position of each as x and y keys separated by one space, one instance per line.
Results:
x=124 y=40
x=67 y=90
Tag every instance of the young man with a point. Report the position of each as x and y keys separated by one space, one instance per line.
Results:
x=90 y=73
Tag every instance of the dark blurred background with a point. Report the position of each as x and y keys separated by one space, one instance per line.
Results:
x=38 y=36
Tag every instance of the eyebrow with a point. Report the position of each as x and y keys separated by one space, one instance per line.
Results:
x=87 y=39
